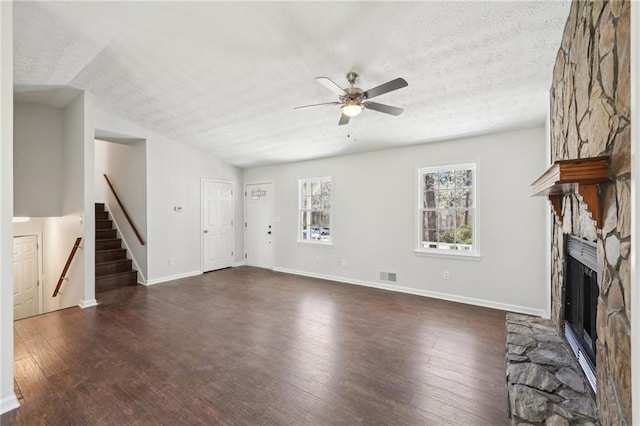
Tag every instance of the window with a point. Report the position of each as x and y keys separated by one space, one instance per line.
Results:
x=315 y=210
x=446 y=210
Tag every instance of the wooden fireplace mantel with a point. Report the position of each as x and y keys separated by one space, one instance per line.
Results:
x=580 y=176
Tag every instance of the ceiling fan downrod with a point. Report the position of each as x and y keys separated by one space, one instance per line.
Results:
x=352 y=77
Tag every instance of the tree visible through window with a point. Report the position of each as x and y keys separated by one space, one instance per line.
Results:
x=315 y=210
x=447 y=209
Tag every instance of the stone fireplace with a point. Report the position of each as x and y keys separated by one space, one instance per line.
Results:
x=590 y=117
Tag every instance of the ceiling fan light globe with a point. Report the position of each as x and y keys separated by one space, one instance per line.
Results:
x=351 y=110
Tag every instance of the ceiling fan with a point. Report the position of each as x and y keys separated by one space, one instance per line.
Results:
x=353 y=99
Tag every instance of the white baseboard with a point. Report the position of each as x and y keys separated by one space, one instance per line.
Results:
x=84 y=304
x=241 y=263
x=9 y=403
x=172 y=277
x=419 y=292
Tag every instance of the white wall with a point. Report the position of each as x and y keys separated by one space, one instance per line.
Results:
x=73 y=156
x=32 y=227
x=89 y=225
x=77 y=219
x=8 y=400
x=173 y=178
x=37 y=167
x=374 y=208
x=59 y=235
x=49 y=176
x=125 y=164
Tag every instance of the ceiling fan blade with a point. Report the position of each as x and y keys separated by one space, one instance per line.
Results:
x=331 y=85
x=387 y=109
x=390 y=86
x=344 y=119
x=314 y=105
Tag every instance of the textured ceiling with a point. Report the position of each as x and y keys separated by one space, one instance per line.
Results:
x=225 y=77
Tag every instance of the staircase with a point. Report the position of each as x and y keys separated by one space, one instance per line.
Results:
x=113 y=269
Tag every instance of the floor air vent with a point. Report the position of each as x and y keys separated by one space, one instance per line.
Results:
x=391 y=277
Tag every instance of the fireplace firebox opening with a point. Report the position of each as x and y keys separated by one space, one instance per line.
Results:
x=581 y=302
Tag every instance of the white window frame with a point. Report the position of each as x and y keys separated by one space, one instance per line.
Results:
x=474 y=253
x=328 y=242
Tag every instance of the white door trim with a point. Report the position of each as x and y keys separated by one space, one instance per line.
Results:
x=233 y=215
x=273 y=211
x=38 y=236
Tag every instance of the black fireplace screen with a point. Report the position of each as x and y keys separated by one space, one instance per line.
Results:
x=581 y=296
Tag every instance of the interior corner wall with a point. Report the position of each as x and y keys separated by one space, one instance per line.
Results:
x=173 y=175
x=374 y=208
x=38 y=156
x=88 y=200
x=73 y=157
x=100 y=185
x=125 y=165
x=8 y=400
x=547 y=254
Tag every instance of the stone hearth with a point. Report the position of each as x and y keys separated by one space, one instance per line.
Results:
x=544 y=382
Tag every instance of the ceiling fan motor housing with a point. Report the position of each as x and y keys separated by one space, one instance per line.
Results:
x=353 y=95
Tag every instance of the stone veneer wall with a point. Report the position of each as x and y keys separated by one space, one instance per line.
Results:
x=590 y=103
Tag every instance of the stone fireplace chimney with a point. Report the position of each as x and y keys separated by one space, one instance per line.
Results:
x=590 y=117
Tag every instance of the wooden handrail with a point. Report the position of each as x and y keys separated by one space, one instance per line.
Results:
x=126 y=215
x=66 y=266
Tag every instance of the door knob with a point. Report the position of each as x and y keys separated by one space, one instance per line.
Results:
x=206 y=231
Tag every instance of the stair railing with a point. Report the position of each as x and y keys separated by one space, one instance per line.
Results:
x=63 y=275
x=126 y=215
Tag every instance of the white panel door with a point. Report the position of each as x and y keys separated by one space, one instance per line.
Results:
x=26 y=294
x=259 y=220
x=217 y=225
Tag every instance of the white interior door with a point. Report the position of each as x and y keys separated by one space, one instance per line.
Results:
x=217 y=225
x=259 y=225
x=26 y=294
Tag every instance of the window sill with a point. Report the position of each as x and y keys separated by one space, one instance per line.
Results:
x=471 y=257
x=315 y=244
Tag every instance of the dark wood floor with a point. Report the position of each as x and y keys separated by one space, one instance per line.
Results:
x=248 y=346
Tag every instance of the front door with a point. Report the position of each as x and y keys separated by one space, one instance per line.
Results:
x=26 y=294
x=259 y=225
x=217 y=224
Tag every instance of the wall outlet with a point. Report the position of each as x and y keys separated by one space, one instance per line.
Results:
x=445 y=275
x=170 y=261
